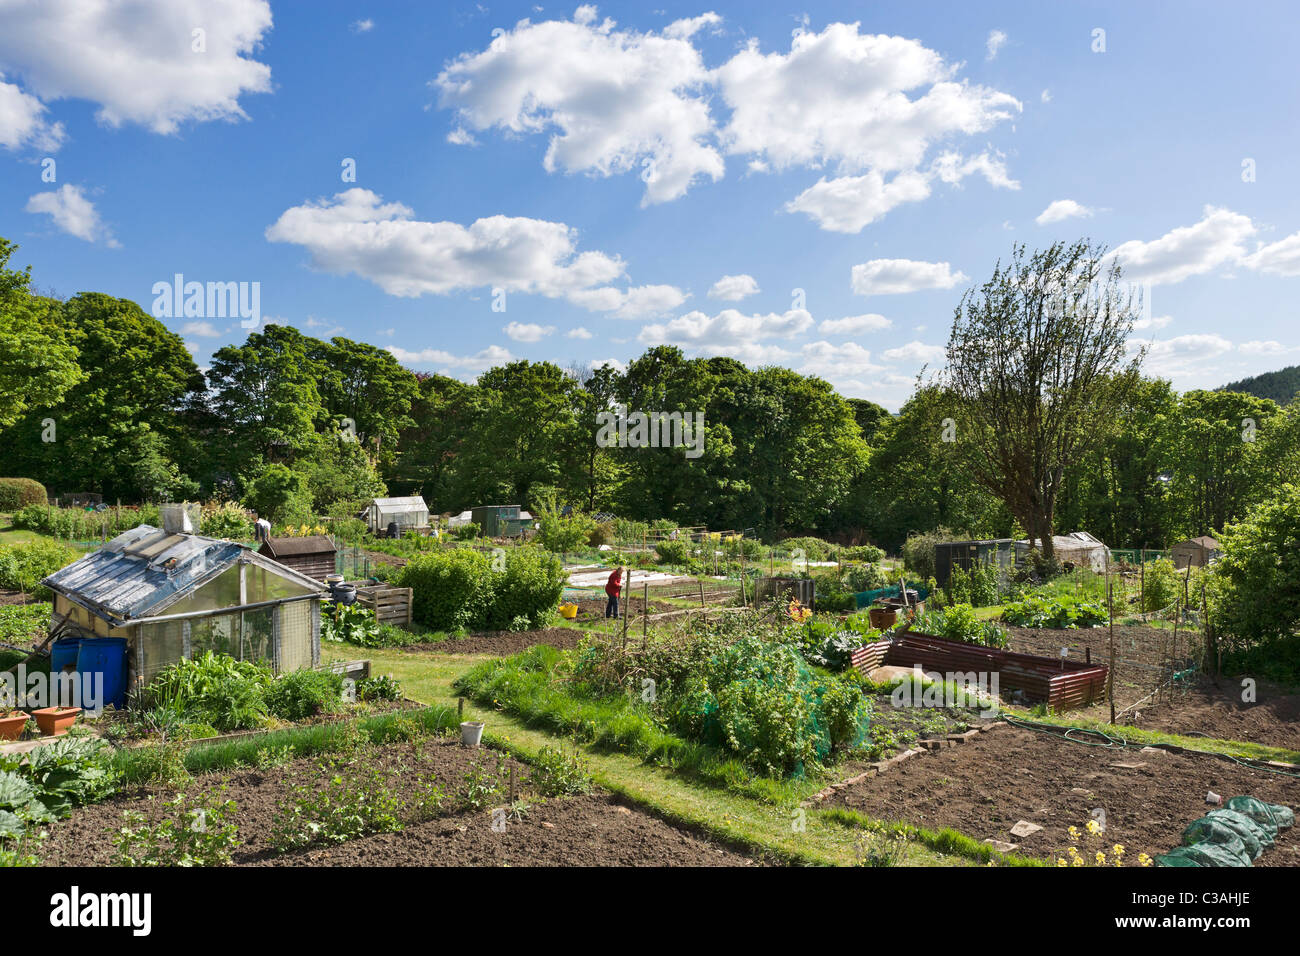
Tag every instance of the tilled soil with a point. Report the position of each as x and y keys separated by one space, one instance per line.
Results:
x=590 y=830
x=1207 y=707
x=501 y=643
x=985 y=786
x=1215 y=709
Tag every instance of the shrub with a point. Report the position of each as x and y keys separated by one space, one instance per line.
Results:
x=451 y=590
x=561 y=534
x=226 y=520
x=305 y=693
x=864 y=577
x=280 y=495
x=918 y=551
x=862 y=552
x=673 y=552
x=527 y=591
x=1161 y=586
x=758 y=700
x=602 y=533
x=467 y=531
x=814 y=549
x=81 y=525
x=18 y=493
x=22 y=566
x=1257 y=590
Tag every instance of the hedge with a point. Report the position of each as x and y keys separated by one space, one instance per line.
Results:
x=463 y=589
x=16 y=493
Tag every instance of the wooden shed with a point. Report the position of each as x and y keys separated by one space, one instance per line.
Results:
x=313 y=555
x=1195 y=552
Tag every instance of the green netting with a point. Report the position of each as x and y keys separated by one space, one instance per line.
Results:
x=1233 y=836
x=762 y=702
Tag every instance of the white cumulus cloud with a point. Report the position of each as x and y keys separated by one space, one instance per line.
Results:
x=528 y=331
x=1062 y=209
x=895 y=276
x=854 y=323
x=1218 y=239
x=141 y=61
x=72 y=212
x=734 y=288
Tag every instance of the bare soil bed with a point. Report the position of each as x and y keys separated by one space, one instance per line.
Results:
x=1205 y=707
x=985 y=787
x=1214 y=708
x=587 y=830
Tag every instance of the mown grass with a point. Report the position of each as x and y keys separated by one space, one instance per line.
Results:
x=947 y=840
x=774 y=824
x=137 y=764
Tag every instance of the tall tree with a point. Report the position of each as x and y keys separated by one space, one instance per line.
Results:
x=1038 y=361
x=37 y=363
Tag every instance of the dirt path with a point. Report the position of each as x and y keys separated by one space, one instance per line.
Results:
x=984 y=787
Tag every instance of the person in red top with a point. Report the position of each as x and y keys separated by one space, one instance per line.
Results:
x=613 y=588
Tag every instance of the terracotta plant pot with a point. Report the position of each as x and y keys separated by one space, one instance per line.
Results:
x=11 y=726
x=55 y=721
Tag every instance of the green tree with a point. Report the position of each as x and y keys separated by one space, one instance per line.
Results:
x=280 y=495
x=443 y=415
x=137 y=375
x=37 y=364
x=368 y=387
x=1038 y=360
x=265 y=395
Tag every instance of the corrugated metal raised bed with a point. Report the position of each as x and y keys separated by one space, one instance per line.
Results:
x=1064 y=684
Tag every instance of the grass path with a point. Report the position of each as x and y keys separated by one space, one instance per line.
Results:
x=727 y=816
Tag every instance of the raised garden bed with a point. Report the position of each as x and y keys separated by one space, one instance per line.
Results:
x=1063 y=684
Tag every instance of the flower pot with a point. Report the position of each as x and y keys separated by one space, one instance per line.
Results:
x=55 y=721
x=11 y=727
x=471 y=733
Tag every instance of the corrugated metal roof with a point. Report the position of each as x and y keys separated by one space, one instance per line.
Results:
x=311 y=544
x=139 y=569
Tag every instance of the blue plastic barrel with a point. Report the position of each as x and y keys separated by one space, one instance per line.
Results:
x=63 y=653
x=106 y=656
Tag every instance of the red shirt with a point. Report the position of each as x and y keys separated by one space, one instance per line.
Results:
x=614 y=586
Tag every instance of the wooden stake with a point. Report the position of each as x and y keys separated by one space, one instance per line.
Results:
x=1110 y=673
x=645 y=615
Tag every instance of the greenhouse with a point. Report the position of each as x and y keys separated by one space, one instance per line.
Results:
x=174 y=596
x=408 y=514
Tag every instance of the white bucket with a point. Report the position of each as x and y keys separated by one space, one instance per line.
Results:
x=471 y=733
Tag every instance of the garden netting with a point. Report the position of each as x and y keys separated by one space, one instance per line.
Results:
x=867 y=598
x=1235 y=835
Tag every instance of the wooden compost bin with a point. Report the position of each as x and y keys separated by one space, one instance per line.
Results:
x=1064 y=684
x=389 y=604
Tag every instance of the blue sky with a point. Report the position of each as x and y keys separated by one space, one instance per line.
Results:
x=631 y=175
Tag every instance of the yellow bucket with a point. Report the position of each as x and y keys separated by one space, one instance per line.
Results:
x=569 y=611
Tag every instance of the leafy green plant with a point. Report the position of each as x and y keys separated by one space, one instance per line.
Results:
x=960 y=623
x=484 y=783
x=22 y=566
x=197 y=832
x=1063 y=611
x=353 y=623
x=18 y=493
x=558 y=773
x=226 y=520
x=213 y=689
x=383 y=687
x=305 y=693
x=347 y=799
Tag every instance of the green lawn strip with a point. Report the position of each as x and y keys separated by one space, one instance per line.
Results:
x=731 y=817
x=1137 y=735
x=942 y=841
